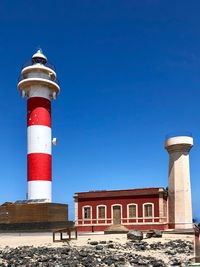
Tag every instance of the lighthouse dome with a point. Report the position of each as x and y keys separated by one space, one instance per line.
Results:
x=39 y=57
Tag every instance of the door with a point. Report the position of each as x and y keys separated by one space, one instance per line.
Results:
x=116 y=214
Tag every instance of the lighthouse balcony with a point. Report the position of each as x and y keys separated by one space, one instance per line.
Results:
x=38 y=70
x=179 y=141
x=25 y=83
x=47 y=64
x=38 y=75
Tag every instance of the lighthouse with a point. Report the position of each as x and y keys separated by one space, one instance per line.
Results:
x=179 y=188
x=39 y=84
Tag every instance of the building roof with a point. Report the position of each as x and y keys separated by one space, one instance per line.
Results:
x=117 y=193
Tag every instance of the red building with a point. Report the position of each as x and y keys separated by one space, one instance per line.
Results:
x=141 y=209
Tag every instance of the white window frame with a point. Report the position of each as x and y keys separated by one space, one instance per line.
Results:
x=97 y=213
x=132 y=204
x=112 y=211
x=83 y=217
x=143 y=209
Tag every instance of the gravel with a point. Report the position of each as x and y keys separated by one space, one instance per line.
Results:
x=100 y=254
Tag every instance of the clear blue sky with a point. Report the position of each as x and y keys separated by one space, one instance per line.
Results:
x=129 y=74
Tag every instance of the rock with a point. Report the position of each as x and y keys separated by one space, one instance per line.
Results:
x=157 y=264
x=175 y=263
x=115 y=257
x=140 y=245
x=109 y=262
x=142 y=261
x=99 y=247
x=157 y=233
x=135 y=235
x=149 y=234
x=93 y=243
x=127 y=264
x=170 y=252
x=134 y=261
x=153 y=233
x=111 y=245
x=180 y=250
x=100 y=255
x=83 y=253
x=102 y=242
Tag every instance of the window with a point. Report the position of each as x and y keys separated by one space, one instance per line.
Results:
x=132 y=211
x=101 y=212
x=148 y=210
x=87 y=212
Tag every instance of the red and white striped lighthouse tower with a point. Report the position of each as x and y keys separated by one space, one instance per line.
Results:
x=38 y=83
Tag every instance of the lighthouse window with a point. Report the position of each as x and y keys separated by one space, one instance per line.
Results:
x=87 y=212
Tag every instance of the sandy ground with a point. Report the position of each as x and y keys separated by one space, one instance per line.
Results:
x=45 y=239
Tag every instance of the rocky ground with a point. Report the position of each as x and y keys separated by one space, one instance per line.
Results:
x=101 y=253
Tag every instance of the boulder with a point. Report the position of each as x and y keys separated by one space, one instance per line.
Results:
x=149 y=234
x=99 y=247
x=135 y=235
x=102 y=242
x=121 y=264
x=93 y=243
x=111 y=245
x=157 y=233
x=153 y=233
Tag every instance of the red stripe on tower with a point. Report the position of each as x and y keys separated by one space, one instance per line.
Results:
x=38 y=111
x=39 y=167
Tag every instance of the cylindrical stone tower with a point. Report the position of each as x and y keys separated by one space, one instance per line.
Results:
x=38 y=83
x=179 y=189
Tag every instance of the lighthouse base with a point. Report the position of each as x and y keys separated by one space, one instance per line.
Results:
x=33 y=217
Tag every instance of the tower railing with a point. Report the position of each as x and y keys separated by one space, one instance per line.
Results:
x=20 y=78
x=30 y=63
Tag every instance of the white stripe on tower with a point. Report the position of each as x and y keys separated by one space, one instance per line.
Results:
x=39 y=139
x=39 y=190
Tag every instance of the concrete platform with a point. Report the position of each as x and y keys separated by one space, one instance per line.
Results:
x=116 y=229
